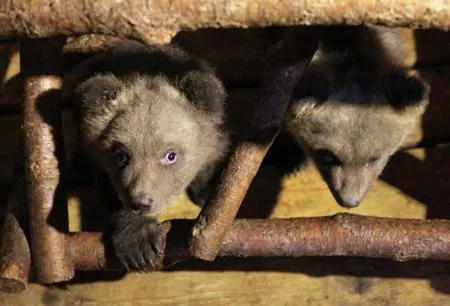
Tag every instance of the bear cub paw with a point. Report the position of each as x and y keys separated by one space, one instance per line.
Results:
x=136 y=241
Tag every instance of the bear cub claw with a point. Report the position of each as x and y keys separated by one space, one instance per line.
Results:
x=136 y=241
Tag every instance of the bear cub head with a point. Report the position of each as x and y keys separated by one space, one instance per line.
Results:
x=152 y=135
x=350 y=129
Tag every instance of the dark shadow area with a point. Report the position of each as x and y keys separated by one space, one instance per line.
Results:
x=286 y=155
x=323 y=266
x=262 y=194
x=284 y=158
x=433 y=62
x=237 y=54
x=86 y=277
x=12 y=96
x=72 y=59
x=427 y=181
x=433 y=48
x=96 y=196
x=436 y=272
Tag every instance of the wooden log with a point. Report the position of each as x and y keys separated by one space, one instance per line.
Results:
x=338 y=235
x=159 y=21
x=44 y=159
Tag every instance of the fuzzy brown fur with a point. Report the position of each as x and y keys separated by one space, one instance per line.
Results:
x=355 y=106
x=137 y=104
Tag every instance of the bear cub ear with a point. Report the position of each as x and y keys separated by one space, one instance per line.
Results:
x=204 y=89
x=98 y=90
x=403 y=90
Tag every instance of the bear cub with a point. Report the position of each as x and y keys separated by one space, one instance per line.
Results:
x=355 y=105
x=152 y=119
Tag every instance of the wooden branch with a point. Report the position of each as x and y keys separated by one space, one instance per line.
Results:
x=158 y=21
x=47 y=200
x=338 y=235
x=15 y=256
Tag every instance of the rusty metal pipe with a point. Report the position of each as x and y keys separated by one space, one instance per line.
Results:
x=158 y=21
x=338 y=235
x=287 y=62
x=47 y=201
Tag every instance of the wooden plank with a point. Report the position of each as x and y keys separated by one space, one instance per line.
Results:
x=237 y=288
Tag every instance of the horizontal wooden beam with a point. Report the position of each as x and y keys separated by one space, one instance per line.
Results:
x=338 y=235
x=159 y=21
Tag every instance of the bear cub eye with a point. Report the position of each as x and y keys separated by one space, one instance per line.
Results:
x=373 y=159
x=169 y=158
x=328 y=157
x=121 y=157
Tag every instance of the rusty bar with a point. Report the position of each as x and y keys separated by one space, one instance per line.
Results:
x=47 y=202
x=158 y=21
x=15 y=257
x=285 y=70
x=338 y=235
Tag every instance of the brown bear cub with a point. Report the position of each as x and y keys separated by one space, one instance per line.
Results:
x=355 y=105
x=152 y=119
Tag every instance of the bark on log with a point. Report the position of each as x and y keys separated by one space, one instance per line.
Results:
x=47 y=201
x=15 y=257
x=338 y=235
x=158 y=21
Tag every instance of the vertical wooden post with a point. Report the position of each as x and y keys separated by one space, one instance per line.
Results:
x=47 y=200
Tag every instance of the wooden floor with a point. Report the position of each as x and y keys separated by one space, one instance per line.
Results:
x=414 y=185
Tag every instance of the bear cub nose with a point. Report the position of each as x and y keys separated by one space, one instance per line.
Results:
x=347 y=202
x=350 y=203
x=142 y=202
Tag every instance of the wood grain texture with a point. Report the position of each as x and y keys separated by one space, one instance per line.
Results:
x=158 y=21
